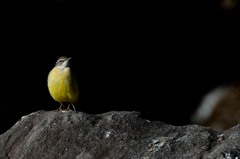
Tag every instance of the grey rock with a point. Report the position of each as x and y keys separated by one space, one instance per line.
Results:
x=113 y=135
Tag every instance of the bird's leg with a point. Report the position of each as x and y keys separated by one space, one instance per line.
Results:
x=68 y=108
x=60 y=107
x=73 y=107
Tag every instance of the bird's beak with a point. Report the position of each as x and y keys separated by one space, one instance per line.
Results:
x=69 y=58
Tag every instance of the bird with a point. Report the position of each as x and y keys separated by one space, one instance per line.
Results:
x=62 y=84
x=219 y=108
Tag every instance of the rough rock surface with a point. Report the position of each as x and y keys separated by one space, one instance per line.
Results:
x=113 y=135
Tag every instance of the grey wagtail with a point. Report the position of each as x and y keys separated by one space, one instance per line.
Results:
x=62 y=84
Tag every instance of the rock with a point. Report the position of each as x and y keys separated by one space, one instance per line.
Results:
x=113 y=135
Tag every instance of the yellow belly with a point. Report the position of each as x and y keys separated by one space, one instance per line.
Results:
x=62 y=86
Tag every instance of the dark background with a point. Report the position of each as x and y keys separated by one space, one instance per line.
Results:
x=156 y=58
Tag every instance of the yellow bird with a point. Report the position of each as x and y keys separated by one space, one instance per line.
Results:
x=62 y=85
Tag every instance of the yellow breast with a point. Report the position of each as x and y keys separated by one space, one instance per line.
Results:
x=62 y=85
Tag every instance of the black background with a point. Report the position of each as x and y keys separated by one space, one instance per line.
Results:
x=159 y=59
